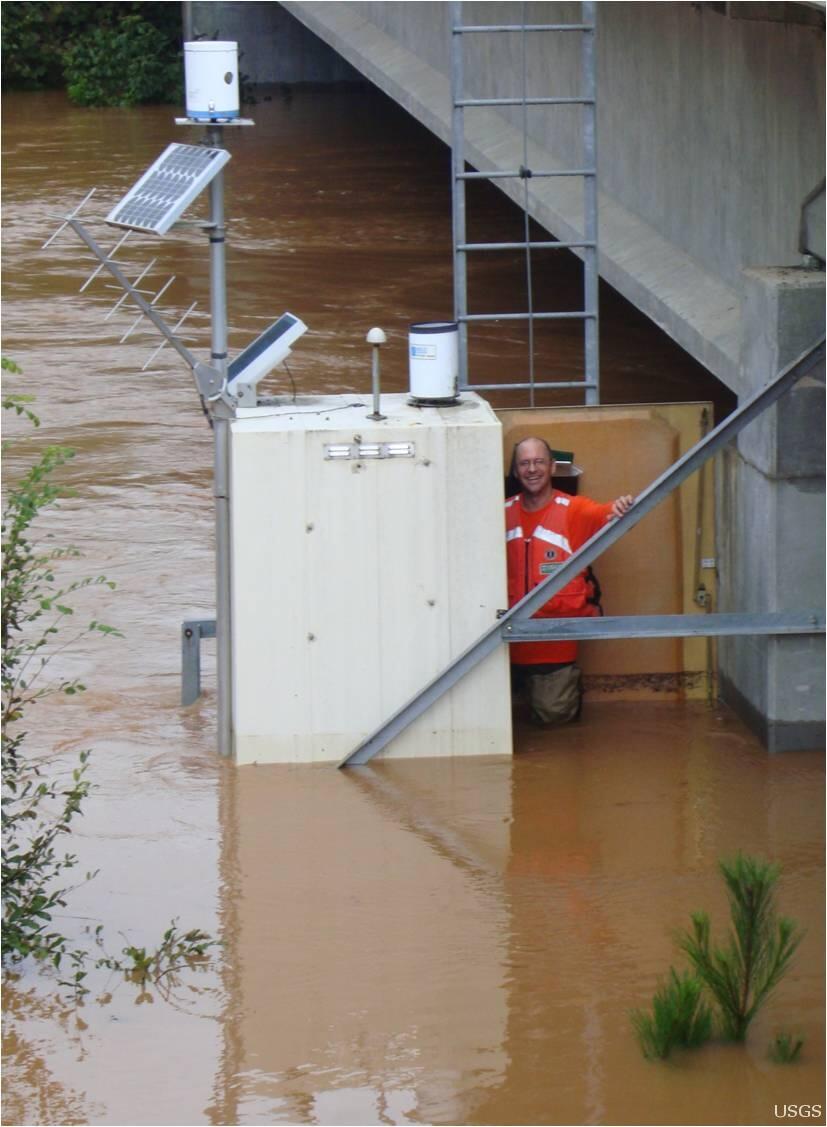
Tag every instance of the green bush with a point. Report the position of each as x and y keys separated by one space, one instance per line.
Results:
x=109 y=53
x=32 y=42
x=38 y=804
x=122 y=66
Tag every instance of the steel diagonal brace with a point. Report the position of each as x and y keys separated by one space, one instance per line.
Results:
x=644 y=503
x=210 y=383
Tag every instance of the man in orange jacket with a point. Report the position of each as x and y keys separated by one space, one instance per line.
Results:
x=543 y=528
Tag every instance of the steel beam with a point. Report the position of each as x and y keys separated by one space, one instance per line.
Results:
x=518 y=28
x=662 y=626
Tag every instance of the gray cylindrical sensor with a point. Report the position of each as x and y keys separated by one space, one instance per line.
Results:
x=433 y=352
x=211 y=80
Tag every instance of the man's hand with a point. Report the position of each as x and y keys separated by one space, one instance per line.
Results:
x=622 y=505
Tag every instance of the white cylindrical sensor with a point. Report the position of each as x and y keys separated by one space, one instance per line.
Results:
x=211 y=79
x=433 y=358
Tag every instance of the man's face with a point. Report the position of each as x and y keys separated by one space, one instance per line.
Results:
x=534 y=467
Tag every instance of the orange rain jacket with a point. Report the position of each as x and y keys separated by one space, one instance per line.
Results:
x=536 y=544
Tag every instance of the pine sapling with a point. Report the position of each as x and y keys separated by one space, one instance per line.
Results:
x=679 y=1019
x=741 y=974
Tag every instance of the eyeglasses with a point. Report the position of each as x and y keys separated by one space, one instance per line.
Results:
x=532 y=462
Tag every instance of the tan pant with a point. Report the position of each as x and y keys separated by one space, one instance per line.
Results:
x=555 y=697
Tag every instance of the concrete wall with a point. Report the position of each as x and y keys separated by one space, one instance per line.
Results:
x=273 y=47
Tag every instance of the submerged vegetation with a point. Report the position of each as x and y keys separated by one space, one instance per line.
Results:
x=42 y=797
x=785 y=1048
x=680 y=1018
x=39 y=804
x=741 y=974
x=105 y=54
x=737 y=977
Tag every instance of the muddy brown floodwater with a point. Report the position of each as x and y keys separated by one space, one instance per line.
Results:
x=413 y=942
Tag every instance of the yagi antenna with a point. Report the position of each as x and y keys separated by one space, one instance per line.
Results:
x=68 y=218
x=209 y=380
x=175 y=329
x=137 y=281
x=112 y=254
x=137 y=320
x=153 y=205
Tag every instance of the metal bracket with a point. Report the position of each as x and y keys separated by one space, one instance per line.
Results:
x=192 y=631
x=208 y=381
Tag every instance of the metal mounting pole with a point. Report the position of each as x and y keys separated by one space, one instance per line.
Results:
x=221 y=459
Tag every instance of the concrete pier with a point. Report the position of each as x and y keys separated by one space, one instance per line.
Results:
x=771 y=517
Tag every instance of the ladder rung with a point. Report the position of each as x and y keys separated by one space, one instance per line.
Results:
x=466 y=29
x=526 y=386
x=522 y=246
x=524 y=102
x=524 y=316
x=516 y=174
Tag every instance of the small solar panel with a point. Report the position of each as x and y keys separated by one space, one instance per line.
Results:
x=167 y=188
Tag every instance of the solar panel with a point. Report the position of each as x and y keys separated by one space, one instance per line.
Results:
x=167 y=188
x=266 y=351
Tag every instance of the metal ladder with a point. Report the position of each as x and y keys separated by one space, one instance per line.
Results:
x=587 y=246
